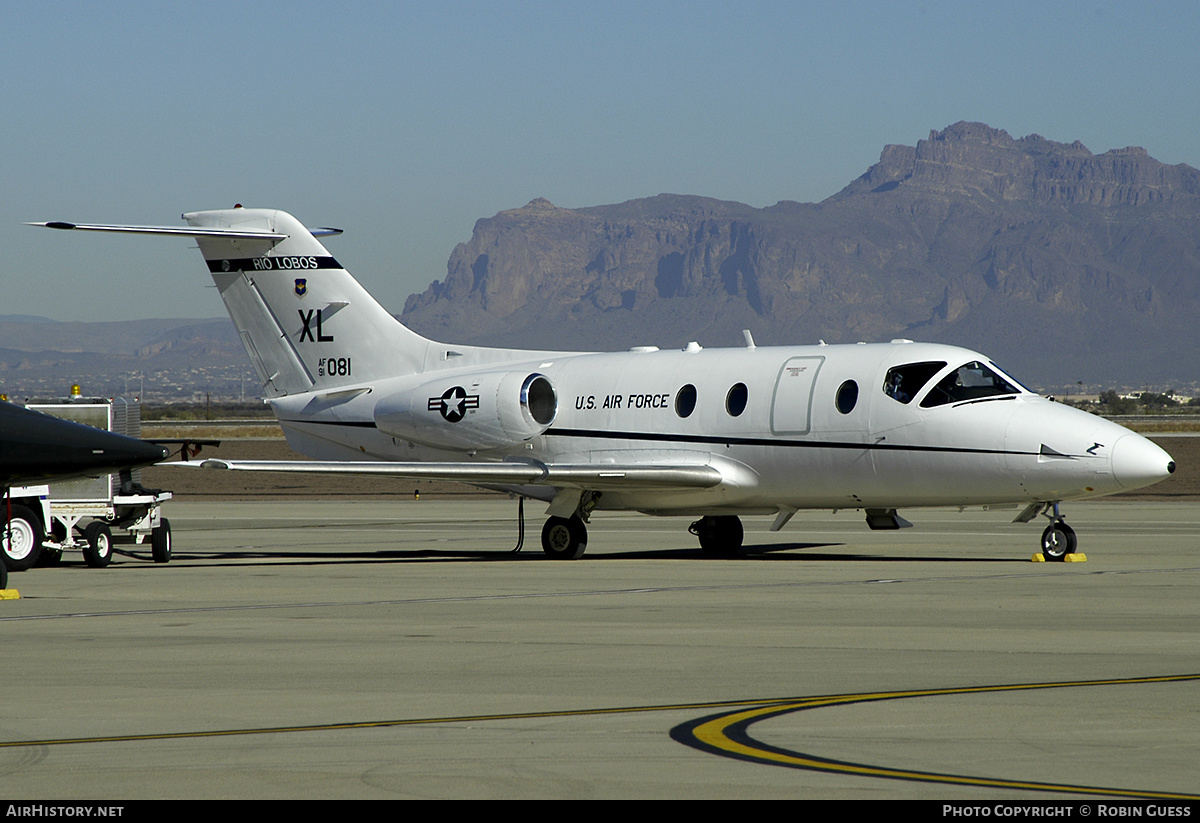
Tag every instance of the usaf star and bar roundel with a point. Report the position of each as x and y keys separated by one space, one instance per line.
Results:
x=453 y=403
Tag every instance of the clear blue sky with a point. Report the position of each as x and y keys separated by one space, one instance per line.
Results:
x=403 y=123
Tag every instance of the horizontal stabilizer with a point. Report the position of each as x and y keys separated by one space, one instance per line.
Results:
x=597 y=477
x=177 y=231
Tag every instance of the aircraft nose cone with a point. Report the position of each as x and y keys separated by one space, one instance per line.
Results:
x=1137 y=462
x=137 y=453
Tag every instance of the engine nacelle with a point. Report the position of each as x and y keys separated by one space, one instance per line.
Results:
x=478 y=411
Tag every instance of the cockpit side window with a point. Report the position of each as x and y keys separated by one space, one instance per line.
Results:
x=970 y=382
x=903 y=382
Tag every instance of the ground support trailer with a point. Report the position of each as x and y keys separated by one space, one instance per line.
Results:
x=40 y=529
x=42 y=522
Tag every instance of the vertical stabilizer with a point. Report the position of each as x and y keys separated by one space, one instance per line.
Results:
x=305 y=322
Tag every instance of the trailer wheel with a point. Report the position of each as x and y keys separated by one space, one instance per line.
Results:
x=99 y=549
x=21 y=539
x=160 y=542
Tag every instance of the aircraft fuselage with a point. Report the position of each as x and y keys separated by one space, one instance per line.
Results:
x=814 y=428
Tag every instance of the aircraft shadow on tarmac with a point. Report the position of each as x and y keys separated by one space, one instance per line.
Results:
x=772 y=551
x=775 y=552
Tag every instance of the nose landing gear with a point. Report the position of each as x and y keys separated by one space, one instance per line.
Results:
x=1058 y=540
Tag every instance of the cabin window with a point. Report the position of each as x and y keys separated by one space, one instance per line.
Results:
x=685 y=401
x=903 y=382
x=735 y=401
x=847 y=397
x=970 y=382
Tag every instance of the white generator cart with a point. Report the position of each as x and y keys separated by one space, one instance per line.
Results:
x=81 y=514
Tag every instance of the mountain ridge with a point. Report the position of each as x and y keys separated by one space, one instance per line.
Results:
x=1059 y=261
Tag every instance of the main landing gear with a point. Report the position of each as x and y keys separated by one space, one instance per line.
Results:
x=719 y=536
x=564 y=538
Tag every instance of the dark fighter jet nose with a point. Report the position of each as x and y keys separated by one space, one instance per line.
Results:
x=36 y=448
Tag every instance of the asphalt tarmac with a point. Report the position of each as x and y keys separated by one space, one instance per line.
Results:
x=395 y=649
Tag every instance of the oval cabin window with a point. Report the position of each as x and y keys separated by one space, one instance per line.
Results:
x=685 y=401
x=847 y=397
x=735 y=401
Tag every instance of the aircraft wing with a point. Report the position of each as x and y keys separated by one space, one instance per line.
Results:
x=593 y=476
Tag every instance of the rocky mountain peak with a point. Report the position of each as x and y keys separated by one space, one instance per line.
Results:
x=539 y=204
x=963 y=132
x=976 y=160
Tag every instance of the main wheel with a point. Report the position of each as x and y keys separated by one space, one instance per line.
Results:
x=21 y=539
x=160 y=542
x=719 y=536
x=99 y=549
x=564 y=538
x=1058 y=540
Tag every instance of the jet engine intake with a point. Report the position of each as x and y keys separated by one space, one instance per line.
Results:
x=478 y=411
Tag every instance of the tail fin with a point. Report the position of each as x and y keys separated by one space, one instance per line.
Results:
x=305 y=322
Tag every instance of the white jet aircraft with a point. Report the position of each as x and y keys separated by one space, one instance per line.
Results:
x=707 y=433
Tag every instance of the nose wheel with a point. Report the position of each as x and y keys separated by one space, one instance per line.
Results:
x=1058 y=540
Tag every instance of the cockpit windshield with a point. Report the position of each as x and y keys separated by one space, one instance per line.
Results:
x=1011 y=379
x=903 y=382
x=970 y=382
